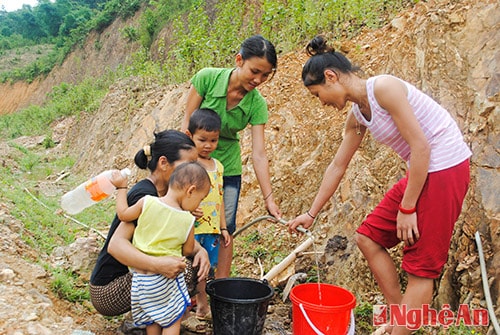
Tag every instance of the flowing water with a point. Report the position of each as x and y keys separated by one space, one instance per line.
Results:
x=316 y=256
x=308 y=233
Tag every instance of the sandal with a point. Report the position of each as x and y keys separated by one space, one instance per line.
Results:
x=206 y=317
x=194 y=325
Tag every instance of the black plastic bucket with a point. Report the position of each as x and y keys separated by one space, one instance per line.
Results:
x=239 y=305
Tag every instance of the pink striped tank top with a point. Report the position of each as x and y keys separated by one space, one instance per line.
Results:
x=445 y=139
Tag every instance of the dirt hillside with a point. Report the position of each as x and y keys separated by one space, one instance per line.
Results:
x=449 y=49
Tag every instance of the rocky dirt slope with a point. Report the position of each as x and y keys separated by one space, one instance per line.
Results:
x=449 y=49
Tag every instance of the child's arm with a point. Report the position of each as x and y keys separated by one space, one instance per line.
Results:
x=223 y=226
x=118 y=180
x=226 y=237
x=124 y=212
x=121 y=248
x=188 y=246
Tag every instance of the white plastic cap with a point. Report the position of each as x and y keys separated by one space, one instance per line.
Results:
x=126 y=172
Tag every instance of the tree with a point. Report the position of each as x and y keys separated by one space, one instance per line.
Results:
x=49 y=17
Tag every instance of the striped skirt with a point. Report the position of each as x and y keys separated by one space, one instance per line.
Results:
x=157 y=299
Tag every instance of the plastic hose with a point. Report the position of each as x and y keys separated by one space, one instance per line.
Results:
x=251 y=223
x=272 y=218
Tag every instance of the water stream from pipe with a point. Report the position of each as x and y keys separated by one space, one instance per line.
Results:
x=316 y=256
x=309 y=234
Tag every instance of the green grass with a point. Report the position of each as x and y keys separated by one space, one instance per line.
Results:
x=31 y=196
x=26 y=183
x=68 y=286
x=21 y=60
x=265 y=242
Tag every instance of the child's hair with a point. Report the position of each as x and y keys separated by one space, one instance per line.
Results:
x=168 y=143
x=204 y=119
x=323 y=57
x=258 y=46
x=189 y=173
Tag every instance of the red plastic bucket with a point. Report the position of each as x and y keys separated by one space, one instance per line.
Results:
x=330 y=316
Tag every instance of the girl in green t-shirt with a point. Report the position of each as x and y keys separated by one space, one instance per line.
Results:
x=231 y=93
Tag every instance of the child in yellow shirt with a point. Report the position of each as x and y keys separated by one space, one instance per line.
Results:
x=210 y=226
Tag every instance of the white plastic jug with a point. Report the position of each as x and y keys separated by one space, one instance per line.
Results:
x=90 y=192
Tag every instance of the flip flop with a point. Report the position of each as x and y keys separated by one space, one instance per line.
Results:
x=206 y=317
x=192 y=324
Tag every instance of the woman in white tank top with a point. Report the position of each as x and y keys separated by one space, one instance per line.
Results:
x=422 y=208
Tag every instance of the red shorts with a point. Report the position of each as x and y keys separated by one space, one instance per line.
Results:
x=438 y=208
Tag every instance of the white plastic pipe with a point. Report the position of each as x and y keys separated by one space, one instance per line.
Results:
x=486 y=287
x=276 y=270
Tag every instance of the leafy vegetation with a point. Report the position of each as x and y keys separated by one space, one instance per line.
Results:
x=363 y=313
x=204 y=33
x=62 y=24
x=23 y=179
x=259 y=247
x=26 y=180
x=68 y=286
x=211 y=35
